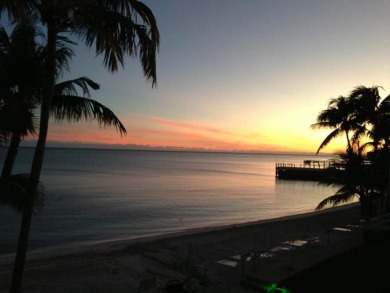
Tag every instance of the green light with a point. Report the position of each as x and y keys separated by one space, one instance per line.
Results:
x=274 y=288
x=271 y=288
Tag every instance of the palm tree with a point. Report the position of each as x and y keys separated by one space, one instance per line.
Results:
x=21 y=57
x=17 y=120
x=356 y=180
x=112 y=27
x=373 y=115
x=19 y=73
x=21 y=61
x=338 y=116
x=368 y=117
x=362 y=113
x=67 y=106
x=17 y=59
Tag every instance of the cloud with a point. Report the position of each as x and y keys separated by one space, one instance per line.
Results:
x=152 y=132
x=184 y=125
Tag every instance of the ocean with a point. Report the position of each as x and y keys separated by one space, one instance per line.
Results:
x=95 y=195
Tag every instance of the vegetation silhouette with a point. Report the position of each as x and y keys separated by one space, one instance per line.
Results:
x=115 y=28
x=338 y=117
x=365 y=119
x=20 y=100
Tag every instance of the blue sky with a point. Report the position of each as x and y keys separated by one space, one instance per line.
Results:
x=240 y=75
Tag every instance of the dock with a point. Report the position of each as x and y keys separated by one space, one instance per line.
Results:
x=310 y=170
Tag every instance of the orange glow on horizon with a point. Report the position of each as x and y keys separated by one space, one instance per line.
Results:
x=154 y=132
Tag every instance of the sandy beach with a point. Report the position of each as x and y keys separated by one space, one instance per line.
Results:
x=217 y=258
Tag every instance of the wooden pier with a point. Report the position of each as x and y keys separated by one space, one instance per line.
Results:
x=309 y=170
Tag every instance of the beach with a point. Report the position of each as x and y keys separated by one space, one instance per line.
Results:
x=217 y=258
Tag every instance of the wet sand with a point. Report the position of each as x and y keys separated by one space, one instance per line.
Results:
x=215 y=257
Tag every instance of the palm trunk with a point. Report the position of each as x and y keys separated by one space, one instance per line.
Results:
x=349 y=142
x=17 y=277
x=387 y=208
x=11 y=155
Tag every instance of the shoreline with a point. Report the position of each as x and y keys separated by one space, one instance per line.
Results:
x=121 y=265
x=107 y=244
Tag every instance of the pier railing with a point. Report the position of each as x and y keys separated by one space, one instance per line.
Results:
x=309 y=164
x=308 y=170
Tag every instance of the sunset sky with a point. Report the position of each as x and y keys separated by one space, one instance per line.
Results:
x=233 y=75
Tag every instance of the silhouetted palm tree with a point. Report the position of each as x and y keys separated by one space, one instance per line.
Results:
x=360 y=115
x=366 y=178
x=17 y=120
x=356 y=179
x=373 y=114
x=338 y=116
x=67 y=106
x=113 y=28
x=19 y=99
x=21 y=75
x=17 y=55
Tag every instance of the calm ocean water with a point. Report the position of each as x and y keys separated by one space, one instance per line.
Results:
x=96 y=195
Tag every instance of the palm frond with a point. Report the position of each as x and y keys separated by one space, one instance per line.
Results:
x=14 y=193
x=360 y=133
x=70 y=87
x=75 y=108
x=112 y=34
x=322 y=124
x=63 y=56
x=367 y=145
x=17 y=116
x=130 y=8
x=329 y=138
x=112 y=28
x=343 y=195
x=334 y=178
x=148 y=18
x=369 y=95
x=17 y=9
x=64 y=53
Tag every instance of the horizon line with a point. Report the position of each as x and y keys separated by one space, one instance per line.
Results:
x=166 y=149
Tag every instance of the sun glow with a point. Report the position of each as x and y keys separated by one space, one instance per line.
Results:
x=146 y=131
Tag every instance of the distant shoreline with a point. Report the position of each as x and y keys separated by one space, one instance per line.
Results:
x=178 y=150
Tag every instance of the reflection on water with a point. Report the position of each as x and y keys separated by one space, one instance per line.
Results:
x=106 y=194
x=306 y=194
